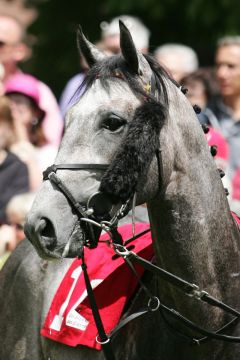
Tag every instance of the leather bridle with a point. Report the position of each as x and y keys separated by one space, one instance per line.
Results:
x=93 y=222
x=95 y=214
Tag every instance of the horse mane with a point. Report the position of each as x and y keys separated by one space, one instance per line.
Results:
x=105 y=69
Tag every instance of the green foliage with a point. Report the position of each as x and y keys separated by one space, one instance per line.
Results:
x=197 y=23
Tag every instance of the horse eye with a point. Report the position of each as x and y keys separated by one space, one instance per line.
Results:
x=113 y=123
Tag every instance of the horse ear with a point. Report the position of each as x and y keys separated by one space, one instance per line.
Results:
x=128 y=48
x=89 y=51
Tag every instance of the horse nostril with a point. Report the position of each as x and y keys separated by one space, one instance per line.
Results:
x=47 y=233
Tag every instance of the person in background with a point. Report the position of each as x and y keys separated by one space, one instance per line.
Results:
x=70 y=93
x=179 y=60
x=14 y=178
x=1 y=79
x=14 y=50
x=30 y=143
x=7 y=235
x=227 y=106
x=202 y=90
x=235 y=205
x=110 y=44
x=215 y=138
x=12 y=233
x=111 y=34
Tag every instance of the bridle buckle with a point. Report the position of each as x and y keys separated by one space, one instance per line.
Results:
x=121 y=250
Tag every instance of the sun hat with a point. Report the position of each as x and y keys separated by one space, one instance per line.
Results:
x=27 y=85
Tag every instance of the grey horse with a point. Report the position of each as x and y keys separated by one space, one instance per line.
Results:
x=194 y=234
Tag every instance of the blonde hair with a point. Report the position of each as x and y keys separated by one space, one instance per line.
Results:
x=5 y=110
x=185 y=55
x=228 y=40
x=139 y=31
x=7 y=118
x=20 y=204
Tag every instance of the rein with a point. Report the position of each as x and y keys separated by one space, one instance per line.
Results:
x=85 y=215
x=190 y=290
x=155 y=304
x=94 y=221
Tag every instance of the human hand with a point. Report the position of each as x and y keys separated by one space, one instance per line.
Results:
x=7 y=239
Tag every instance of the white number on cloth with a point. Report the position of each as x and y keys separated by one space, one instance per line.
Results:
x=73 y=318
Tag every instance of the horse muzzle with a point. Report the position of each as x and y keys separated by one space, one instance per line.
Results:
x=42 y=235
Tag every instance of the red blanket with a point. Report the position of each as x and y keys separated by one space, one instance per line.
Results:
x=70 y=320
x=235 y=216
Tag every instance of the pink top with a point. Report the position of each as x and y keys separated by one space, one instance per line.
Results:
x=53 y=122
x=214 y=137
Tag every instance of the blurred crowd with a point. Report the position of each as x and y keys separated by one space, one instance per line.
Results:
x=32 y=120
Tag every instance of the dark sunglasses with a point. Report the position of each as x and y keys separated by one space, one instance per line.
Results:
x=2 y=43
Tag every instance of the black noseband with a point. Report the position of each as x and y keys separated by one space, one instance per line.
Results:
x=54 y=168
x=91 y=233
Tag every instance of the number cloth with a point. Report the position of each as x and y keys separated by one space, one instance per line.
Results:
x=70 y=319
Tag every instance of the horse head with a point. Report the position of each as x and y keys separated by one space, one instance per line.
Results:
x=121 y=123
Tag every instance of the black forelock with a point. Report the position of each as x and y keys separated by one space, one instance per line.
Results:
x=105 y=69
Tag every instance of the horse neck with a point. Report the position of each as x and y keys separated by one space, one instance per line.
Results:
x=195 y=236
